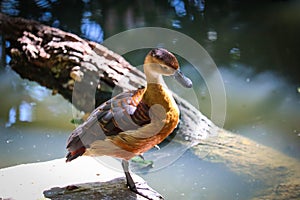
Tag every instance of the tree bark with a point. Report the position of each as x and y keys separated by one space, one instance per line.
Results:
x=66 y=63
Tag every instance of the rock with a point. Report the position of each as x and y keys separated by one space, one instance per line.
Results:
x=83 y=178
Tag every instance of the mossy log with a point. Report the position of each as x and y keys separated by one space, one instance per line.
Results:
x=60 y=60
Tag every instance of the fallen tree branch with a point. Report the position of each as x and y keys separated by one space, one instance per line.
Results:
x=63 y=61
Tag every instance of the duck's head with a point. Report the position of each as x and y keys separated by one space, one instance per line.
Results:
x=160 y=62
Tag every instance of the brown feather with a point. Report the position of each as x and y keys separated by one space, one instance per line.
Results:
x=130 y=123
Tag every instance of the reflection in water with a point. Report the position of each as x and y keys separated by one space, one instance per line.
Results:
x=192 y=178
x=29 y=129
x=12 y=117
x=10 y=7
x=44 y=3
x=235 y=53
x=212 y=35
x=36 y=91
x=176 y=24
x=46 y=17
x=262 y=106
x=199 y=4
x=179 y=7
x=26 y=111
x=90 y=29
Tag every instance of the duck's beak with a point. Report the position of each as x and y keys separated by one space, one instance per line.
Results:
x=182 y=79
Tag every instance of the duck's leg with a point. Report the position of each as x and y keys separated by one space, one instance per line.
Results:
x=130 y=182
x=139 y=188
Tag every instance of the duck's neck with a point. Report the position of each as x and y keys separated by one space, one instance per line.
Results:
x=158 y=94
x=153 y=77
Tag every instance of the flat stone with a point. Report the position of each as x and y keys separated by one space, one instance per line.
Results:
x=83 y=178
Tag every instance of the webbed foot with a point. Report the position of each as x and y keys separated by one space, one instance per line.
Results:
x=144 y=190
x=139 y=188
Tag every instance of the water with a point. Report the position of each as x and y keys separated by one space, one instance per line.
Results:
x=254 y=44
x=192 y=178
x=33 y=123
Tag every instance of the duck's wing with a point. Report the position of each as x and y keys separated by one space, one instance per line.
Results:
x=123 y=112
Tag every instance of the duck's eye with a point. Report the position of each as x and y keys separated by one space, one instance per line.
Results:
x=164 y=67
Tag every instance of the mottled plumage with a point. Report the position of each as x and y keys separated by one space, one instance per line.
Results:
x=123 y=112
x=132 y=122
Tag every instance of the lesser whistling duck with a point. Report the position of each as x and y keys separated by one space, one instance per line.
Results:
x=132 y=122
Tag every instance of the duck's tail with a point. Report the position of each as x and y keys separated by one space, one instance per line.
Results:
x=74 y=154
